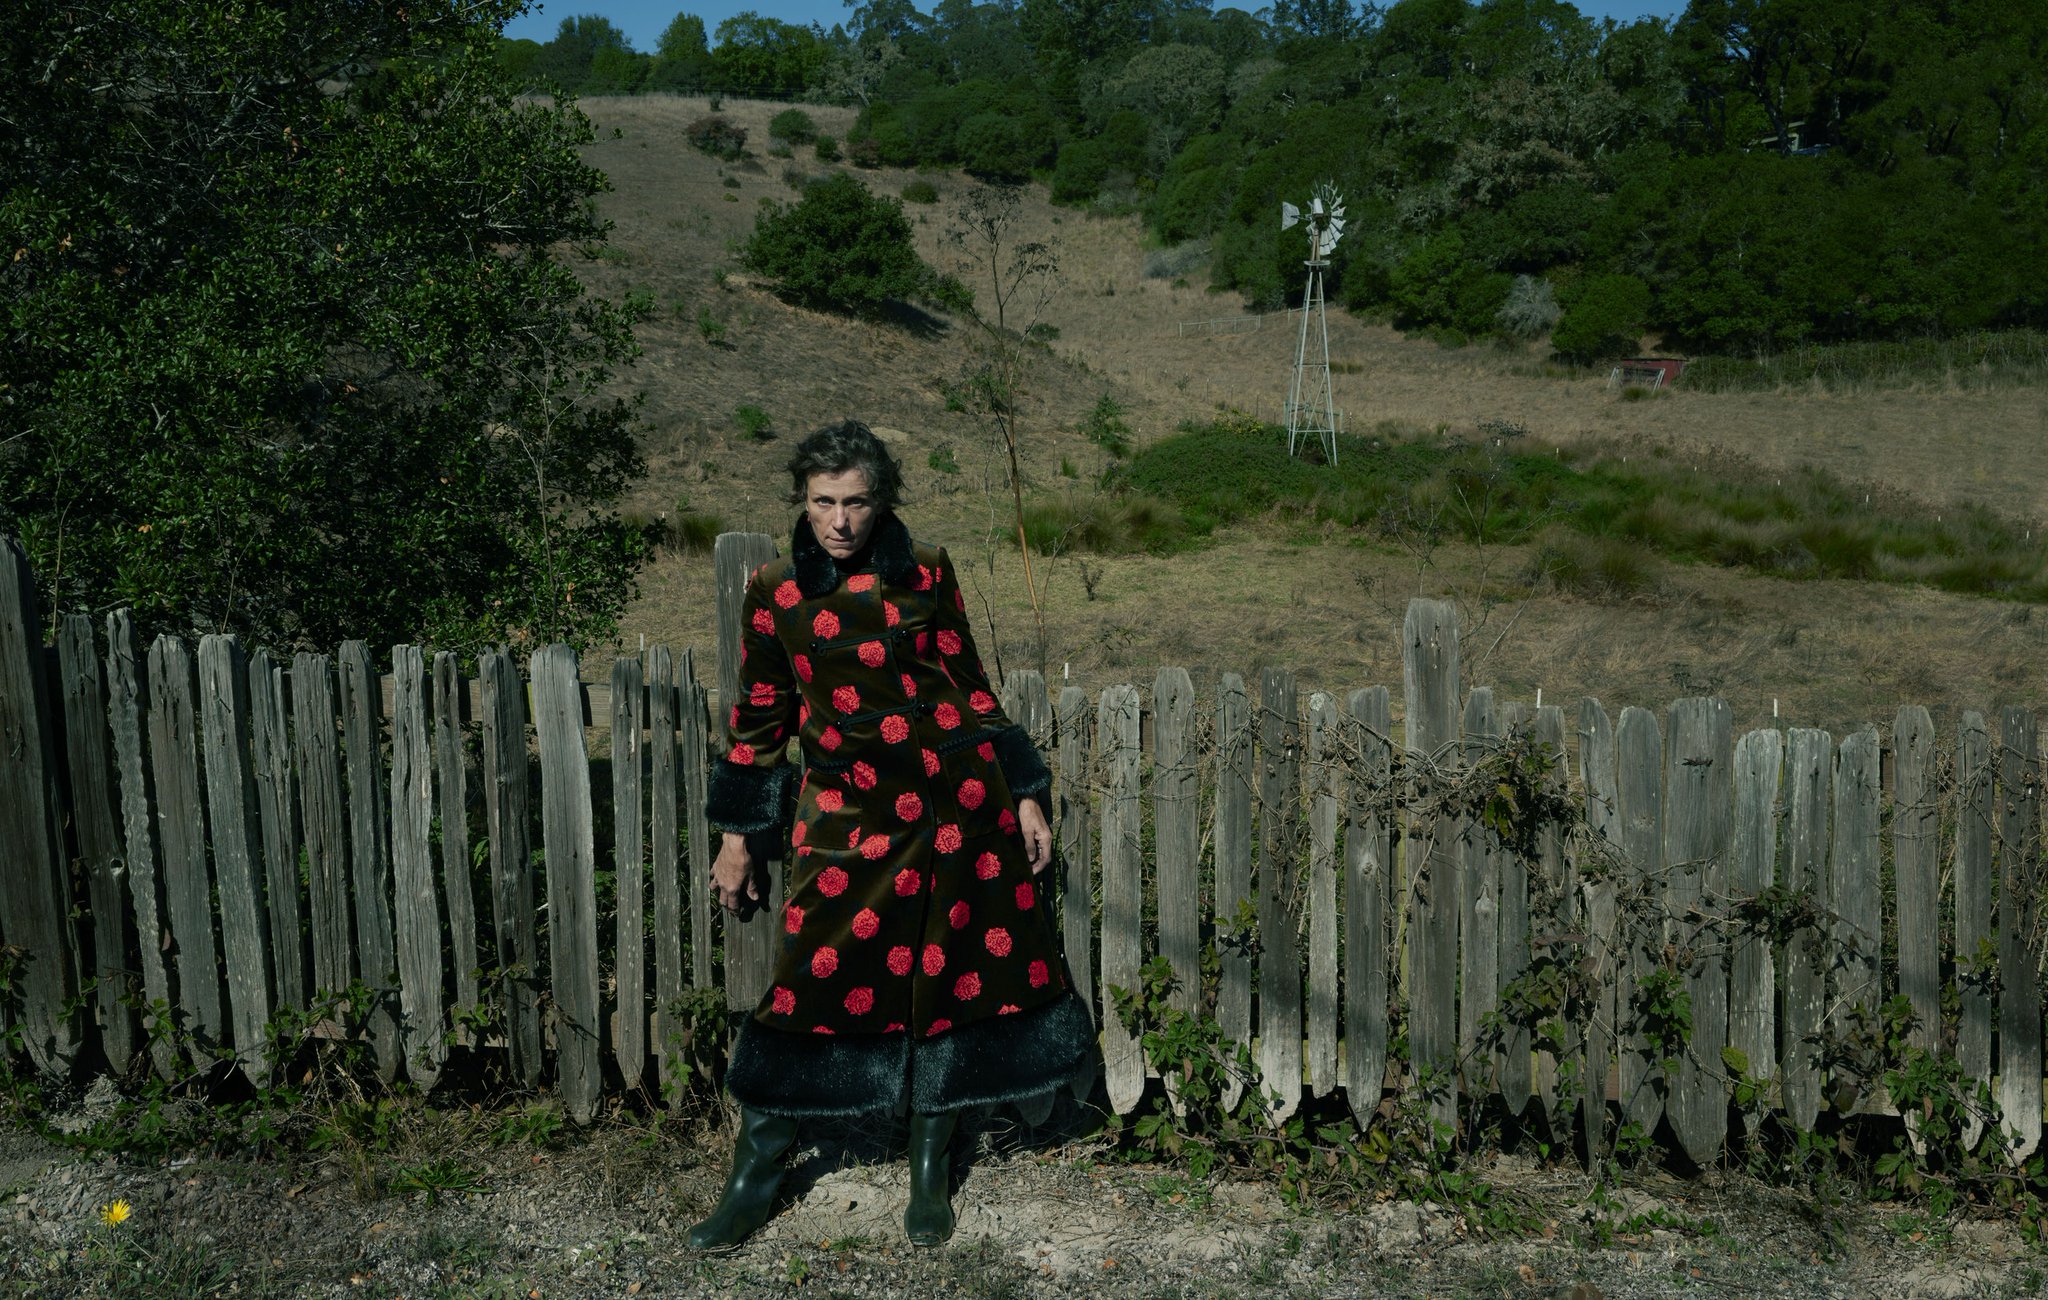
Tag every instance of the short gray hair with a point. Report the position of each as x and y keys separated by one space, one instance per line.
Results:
x=837 y=448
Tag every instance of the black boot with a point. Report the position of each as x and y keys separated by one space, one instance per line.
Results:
x=929 y=1220
x=750 y=1189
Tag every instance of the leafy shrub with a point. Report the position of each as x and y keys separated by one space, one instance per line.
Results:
x=1079 y=171
x=998 y=147
x=794 y=126
x=864 y=152
x=1531 y=309
x=754 y=421
x=1173 y=263
x=838 y=247
x=827 y=149
x=718 y=136
x=693 y=530
x=1596 y=568
x=942 y=460
x=1105 y=427
x=1605 y=319
x=1104 y=522
x=920 y=192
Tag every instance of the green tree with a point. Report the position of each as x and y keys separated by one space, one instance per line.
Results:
x=289 y=350
x=682 y=58
x=757 y=55
x=839 y=247
x=588 y=54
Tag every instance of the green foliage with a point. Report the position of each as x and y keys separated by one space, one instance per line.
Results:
x=754 y=422
x=434 y=1179
x=1604 y=318
x=275 y=368
x=1105 y=427
x=709 y=327
x=1966 y=361
x=840 y=247
x=793 y=126
x=826 y=148
x=920 y=191
x=1423 y=489
x=717 y=135
x=766 y=58
x=1106 y=523
x=942 y=460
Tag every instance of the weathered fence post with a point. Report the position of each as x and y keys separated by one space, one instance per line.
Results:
x=507 y=777
x=2019 y=981
x=1604 y=949
x=571 y=859
x=1177 y=834
x=1753 y=976
x=276 y=798
x=1975 y=1014
x=188 y=883
x=99 y=841
x=1279 y=1038
x=417 y=910
x=370 y=846
x=1639 y=801
x=1368 y=881
x=1233 y=862
x=695 y=717
x=1429 y=642
x=1123 y=892
x=322 y=812
x=127 y=703
x=1809 y=773
x=670 y=979
x=1700 y=782
x=231 y=802
x=1076 y=837
x=1916 y=860
x=629 y=1036
x=1517 y=943
x=34 y=902
x=1479 y=917
x=452 y=786
x=1320 y=778
x=1854 y=893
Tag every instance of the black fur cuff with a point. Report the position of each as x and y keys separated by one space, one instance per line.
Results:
x=747 y=800
x=1025 y=772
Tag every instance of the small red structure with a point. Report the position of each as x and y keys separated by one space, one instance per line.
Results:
x=1655 y=372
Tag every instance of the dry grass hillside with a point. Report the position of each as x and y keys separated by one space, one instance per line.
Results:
x=1324 y=601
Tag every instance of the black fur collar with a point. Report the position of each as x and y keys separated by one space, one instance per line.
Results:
x=889 y=547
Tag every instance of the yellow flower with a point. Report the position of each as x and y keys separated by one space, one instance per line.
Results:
x=114 y=1213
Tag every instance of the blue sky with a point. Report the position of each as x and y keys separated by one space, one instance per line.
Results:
x=644 y=20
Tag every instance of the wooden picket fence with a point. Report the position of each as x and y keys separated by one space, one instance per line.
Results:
x=237 y=834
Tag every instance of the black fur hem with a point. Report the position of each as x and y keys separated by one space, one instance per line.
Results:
x=1004 y=1058
x=817 y=575
x=1025 y=772
x=747 y=800
x=782 y=1073
x=1001 y=1059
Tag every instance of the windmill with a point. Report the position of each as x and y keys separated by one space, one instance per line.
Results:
x=1310 y=410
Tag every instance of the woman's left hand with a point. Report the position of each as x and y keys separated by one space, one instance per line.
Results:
x=1037 y=835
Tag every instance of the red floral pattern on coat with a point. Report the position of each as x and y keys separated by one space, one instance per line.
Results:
x=897 y=924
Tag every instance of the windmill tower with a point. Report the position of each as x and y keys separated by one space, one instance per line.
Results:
x=1310 y=410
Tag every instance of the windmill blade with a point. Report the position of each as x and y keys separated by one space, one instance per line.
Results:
x=1289 y=215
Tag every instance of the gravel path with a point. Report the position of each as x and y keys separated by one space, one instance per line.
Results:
x=604 y=1215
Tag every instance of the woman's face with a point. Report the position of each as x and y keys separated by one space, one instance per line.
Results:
x=841 y=512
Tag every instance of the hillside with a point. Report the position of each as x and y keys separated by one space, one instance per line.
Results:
x=1324 y=601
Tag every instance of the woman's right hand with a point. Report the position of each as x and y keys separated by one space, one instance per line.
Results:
x=733 y=875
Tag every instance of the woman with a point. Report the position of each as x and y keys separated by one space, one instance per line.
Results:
x=917 y=963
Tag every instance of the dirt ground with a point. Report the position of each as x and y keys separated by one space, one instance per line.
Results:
x=1042 y=1214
